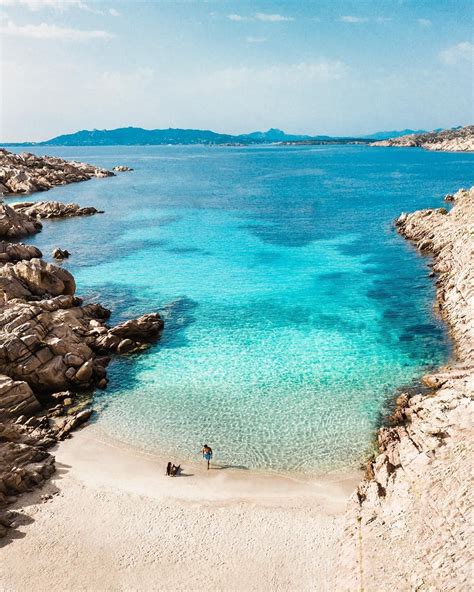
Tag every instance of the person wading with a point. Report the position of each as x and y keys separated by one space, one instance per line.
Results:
x=207 y=454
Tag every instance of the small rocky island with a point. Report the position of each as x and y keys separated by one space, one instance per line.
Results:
x=54 y=349
x=459 y=139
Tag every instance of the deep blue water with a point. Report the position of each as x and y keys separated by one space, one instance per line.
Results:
x=293 y=309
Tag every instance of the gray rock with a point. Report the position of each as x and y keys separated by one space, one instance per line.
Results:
x=27 y=173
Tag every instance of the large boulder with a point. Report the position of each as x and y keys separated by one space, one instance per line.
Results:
x=34 y=278
x=144 y=328
x=45 y=344
x=15 y=224
x=13 y=252
x=16 y=398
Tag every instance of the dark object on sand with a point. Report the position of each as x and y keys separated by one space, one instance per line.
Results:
x=172 y=470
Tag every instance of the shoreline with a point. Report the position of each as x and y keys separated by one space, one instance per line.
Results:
x=90 y=450
x=94 y=435
x=109 y=519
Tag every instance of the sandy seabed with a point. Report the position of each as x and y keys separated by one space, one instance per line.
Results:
x=116 y=522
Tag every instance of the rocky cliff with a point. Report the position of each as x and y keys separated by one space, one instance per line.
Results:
x=452 y=140
x=408 y=524
x=27 y=173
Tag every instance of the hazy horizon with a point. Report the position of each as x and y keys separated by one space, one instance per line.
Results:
x=362 y=135
x=329 y=68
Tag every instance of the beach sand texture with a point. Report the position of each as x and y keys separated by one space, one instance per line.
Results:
x=116 y=522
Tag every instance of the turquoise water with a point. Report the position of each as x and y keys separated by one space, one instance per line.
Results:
x=293 y=310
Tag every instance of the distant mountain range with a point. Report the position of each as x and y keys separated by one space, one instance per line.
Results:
x=395 y=134
x=136 y=136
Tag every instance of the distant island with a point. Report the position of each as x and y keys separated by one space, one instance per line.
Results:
x=136 y=136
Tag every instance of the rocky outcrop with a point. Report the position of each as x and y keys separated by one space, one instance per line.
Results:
x=451 y=140
x=27 y=173
x=13 y=252
x=34 y=279
x=146 y=327
x=15 y=224
x=61 y=254
x=53 y=209
x=52 y=349
x=408 y=525
x=16 y=398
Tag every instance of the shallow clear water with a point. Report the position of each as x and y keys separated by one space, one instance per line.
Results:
x=293 y=310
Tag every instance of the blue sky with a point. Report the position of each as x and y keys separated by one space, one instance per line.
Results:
x=321 y=66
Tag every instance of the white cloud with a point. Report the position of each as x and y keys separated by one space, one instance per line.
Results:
x=255 y=39
x=353 y=19
x=272 y=18
x=260 y=16
x=58 y=5
x=39 y=4
x=46 y=31
x=118 y=80
x=462 y=52
x=424 y=22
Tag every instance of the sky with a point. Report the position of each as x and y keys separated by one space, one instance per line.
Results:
x=338 y=67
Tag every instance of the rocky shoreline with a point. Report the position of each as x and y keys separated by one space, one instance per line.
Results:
x=54 y=349
x=408 y=522
x=28 y=173
x=452 y=140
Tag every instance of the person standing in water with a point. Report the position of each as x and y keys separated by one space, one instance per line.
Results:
x=207 y=454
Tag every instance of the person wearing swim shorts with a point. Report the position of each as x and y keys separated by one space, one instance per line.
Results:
x=207 y=454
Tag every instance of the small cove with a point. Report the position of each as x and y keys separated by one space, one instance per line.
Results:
x=293 y=310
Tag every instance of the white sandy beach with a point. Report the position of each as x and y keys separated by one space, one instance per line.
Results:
x=116 y=522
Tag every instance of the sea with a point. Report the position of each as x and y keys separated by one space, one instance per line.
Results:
x=294 y=312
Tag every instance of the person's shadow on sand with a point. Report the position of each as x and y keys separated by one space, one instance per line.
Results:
x=223 y=467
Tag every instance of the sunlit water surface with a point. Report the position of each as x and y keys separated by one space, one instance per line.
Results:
x=293 y=310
